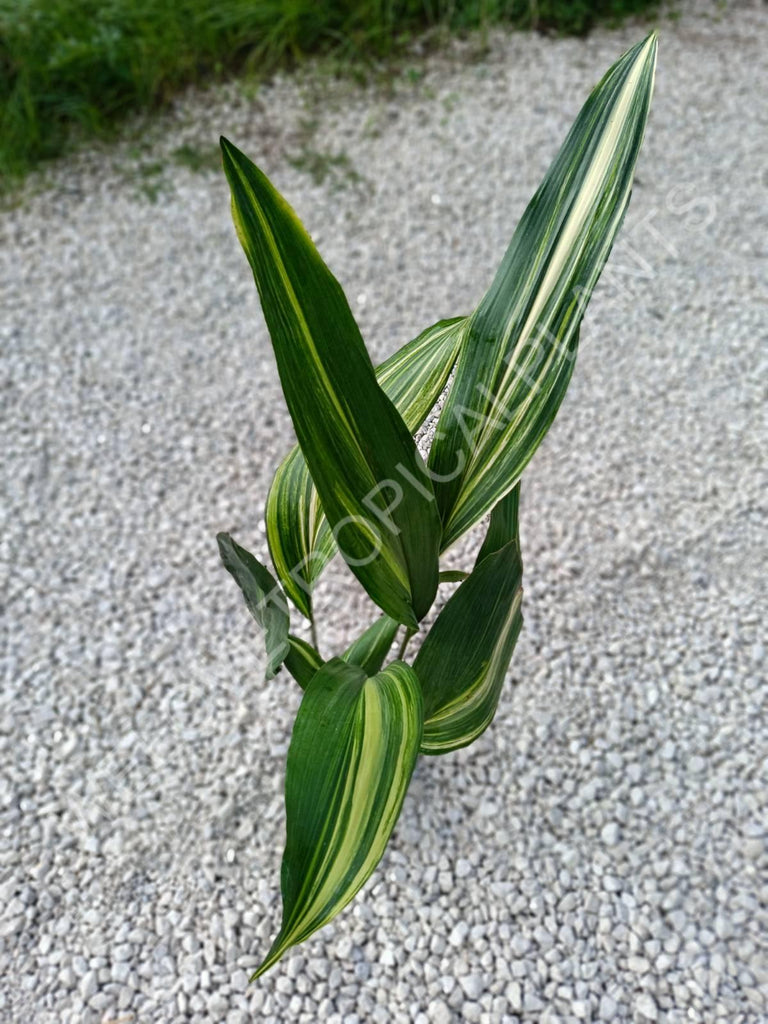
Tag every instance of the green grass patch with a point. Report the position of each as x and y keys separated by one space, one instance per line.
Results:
x=74 y=68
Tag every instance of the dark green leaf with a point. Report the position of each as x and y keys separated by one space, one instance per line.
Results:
x=464 y=658
x=263 y=598
x=370 y=649
x=300 y=540
x=302 y=660
x=360 y=454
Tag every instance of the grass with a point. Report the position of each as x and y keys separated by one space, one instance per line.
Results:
x=74 y=68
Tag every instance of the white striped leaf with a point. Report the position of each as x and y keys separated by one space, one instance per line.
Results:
x=464 y=659
x=300 y=540
x=358 y=449
x=353 y=749
x=515 y=364
x=263 y=598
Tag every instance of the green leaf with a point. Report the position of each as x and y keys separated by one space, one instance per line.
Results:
x=302 y=660
x=354 y=745
x=452 y=575
x=360 y=454
x=263 y=598
x=464 y=659
x=504 y=525
x=515 y=364
x=300 y=540
x=414 y=377
x=370 y=649
x=367 y=652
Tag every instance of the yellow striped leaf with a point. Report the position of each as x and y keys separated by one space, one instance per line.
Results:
x=464 y=659
x=353 y=749
x=515 y=364
x=300 y=540
x=360 y=453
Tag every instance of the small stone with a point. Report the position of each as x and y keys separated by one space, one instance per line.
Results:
x=458 y=934
x=638 y=965
x=99 y=1001
x=120 y=972
x=607 y=1008
x=463 y=868
x=473 y=985
x=12 y=926
x=532 y=1003
x=610 y=833
x=514 y=993
x=239 y=980
x=754 y=848
x=216 y=1004
x=125 y=997
x=438 y=1012
x=88 y=985
x=646 y=1005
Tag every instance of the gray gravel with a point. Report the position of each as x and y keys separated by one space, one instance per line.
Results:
x=600 y=854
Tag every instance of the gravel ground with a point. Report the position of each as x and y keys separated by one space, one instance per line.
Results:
x=600 y=853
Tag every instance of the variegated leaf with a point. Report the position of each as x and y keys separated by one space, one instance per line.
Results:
x=354 y=745
x=300 y=541
x=263 y=598
x=464 y=659
x=360 y=453
x=516 y=361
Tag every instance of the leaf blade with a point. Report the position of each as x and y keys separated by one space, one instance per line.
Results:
x=354 y=745
x=371 y=648
x=355 y=442
x=300 y=540
x=464 y=659
x=522 y=339
x=302 y=660
x=263 y=598
x=504 y=525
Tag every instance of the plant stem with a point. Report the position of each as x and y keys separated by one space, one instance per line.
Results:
x=313 y=630
x=404 y=643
